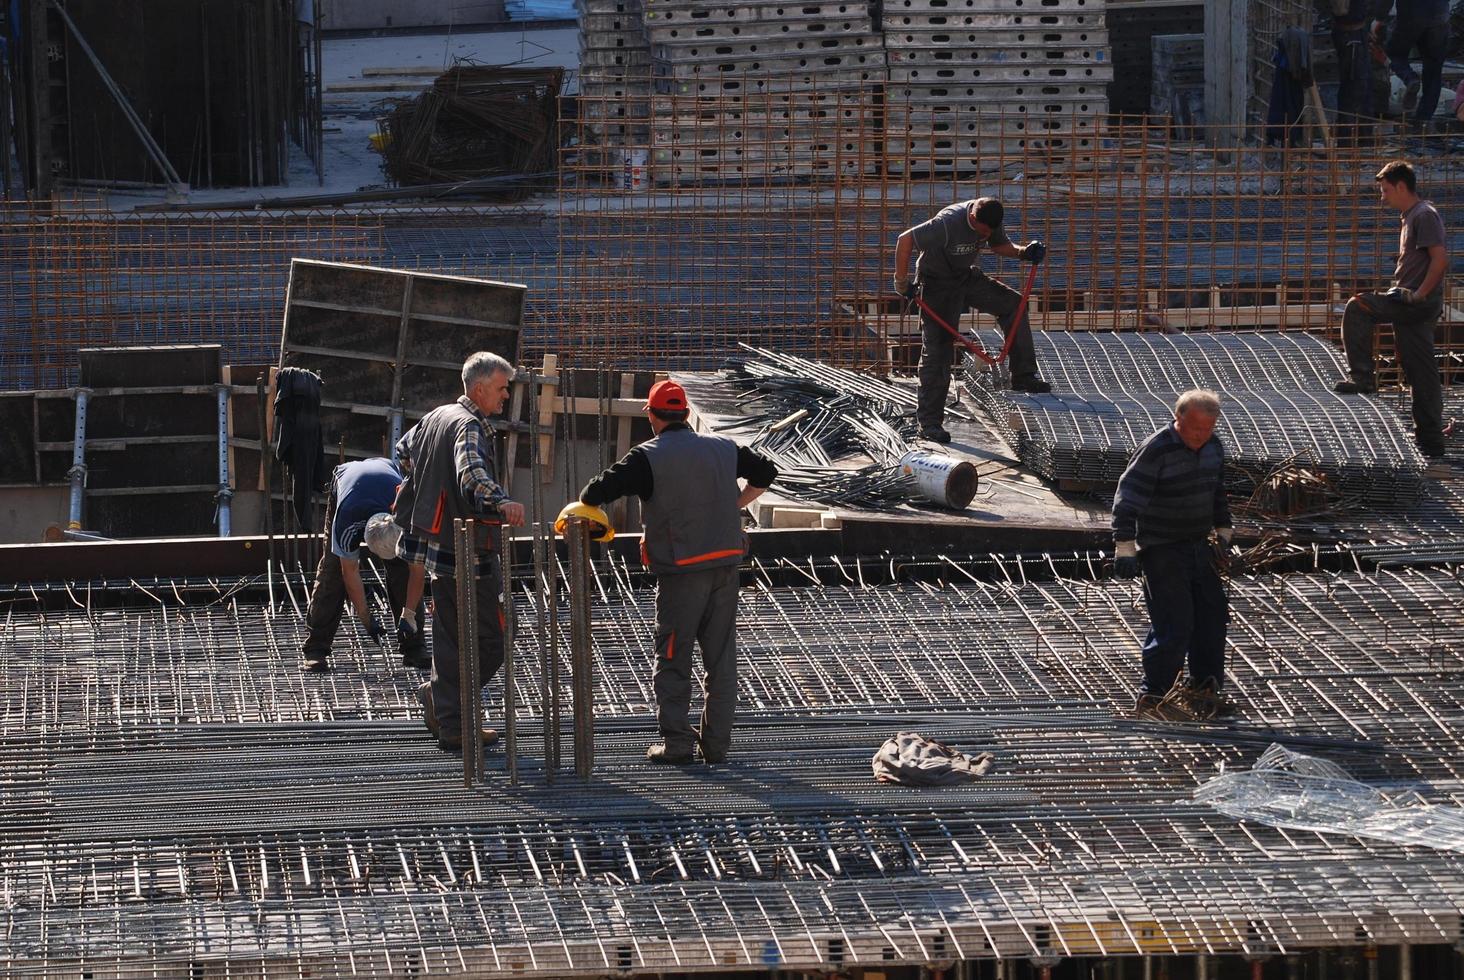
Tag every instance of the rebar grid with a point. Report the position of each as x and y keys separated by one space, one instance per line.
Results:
x=195 y=826
x=1116 y=390
x=1354 y=656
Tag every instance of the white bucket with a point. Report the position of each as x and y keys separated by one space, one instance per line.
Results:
x=943 y=479
x=634 y=174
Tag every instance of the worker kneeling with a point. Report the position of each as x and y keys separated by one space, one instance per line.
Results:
x=693 y=542
x=1169 y=500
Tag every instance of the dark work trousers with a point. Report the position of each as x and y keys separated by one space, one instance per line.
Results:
x=446 y=693
x=1354 y=83
x=1413 y=332
x=1188 y=613
x=1431 y=37
x=702 y=607
x=328 y=595
x=937 y=346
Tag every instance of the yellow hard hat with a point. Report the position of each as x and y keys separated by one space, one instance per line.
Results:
x=600 y=529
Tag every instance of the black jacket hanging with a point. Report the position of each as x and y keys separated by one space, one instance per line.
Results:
x=297 y=428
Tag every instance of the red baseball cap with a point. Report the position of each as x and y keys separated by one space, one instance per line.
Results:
x=667 y=396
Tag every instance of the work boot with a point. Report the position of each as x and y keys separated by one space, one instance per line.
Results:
x=429 y=712
x=934 y=433
x=710 y=755
x=1030 y=383
x=1355 y=387
x=660 y=753
x=454 y=742
x=1205 y=701
x=315 y=663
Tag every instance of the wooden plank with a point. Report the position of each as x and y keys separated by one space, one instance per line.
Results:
x=547 y=387
x=510 y=452
x=623 y=426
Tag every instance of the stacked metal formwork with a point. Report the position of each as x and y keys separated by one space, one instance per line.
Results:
x=1112 y=391
x=614 y=84
x=180 y=798
x=971 y=83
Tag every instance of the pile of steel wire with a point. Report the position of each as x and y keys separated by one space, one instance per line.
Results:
x=1112 y=391
x=475 y=122
x=837 y=436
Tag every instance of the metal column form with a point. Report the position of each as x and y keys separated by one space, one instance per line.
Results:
x=581 y=644
x=470 y=681
x=226 y=491
x=77 y=473
x=397 y=417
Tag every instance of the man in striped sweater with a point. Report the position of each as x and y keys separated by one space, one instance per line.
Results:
x=1168 y=501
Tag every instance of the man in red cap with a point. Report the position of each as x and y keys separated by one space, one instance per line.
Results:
x=693 y=542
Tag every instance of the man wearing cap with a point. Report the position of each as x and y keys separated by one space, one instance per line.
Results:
x=359 y=491
x=949 y=281
x=693 y=542
x=452 y=469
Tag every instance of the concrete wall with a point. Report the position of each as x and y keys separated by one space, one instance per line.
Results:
x=358 y=15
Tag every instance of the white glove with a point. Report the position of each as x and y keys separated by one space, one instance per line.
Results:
x=1126 y=549
x=902 y=284
x=1225 y=534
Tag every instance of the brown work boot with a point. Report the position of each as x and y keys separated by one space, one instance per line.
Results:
x=1207 y=702
x=429 y=713
x=454 y=743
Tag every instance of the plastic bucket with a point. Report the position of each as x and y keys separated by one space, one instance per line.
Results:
x=633 y=171
x=943 y=479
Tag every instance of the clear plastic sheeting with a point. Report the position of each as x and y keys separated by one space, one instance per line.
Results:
x=1301 y=792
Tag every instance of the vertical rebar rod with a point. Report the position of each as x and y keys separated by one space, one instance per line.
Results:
x=510 y=693
x=581 y=644
x=470 y=688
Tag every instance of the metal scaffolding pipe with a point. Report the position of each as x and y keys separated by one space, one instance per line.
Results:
x=77 y=473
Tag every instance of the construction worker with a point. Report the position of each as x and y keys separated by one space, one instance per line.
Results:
x=693 y=542
x=1424 y=25
x=1350 y=39
x=950 y=280
x=1169 y=500
x=451 y=474
x=358 y=491
x=1412 y=306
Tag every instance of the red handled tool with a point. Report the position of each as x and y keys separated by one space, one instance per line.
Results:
x=971 y=345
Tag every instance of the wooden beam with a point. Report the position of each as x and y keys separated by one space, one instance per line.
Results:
x=547 y=388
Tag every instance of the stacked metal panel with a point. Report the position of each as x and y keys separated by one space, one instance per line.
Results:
x=1112 y=391
x=766 y=89
x=614 y=81
x=974 y=81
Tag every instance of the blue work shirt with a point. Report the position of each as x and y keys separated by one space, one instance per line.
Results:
x=361 y=489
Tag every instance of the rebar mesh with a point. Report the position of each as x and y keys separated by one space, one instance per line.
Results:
x=179 y=793
x=1113 y=391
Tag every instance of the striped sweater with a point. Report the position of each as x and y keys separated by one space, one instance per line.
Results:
x=1170 y=492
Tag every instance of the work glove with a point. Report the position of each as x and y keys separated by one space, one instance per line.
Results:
x=1225 y=561
x=906 y=289
x=375 y=631
x=407 y=627
x=600 y=529
x=1126 y=559
x=1033 y=251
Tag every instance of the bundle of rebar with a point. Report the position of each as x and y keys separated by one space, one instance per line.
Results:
x=1112 y=391
x=474 y=122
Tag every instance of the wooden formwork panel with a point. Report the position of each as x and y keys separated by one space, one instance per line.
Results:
x=390 y=338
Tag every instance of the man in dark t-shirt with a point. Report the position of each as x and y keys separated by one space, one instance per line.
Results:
x=950 y=281
x=1412 y=307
